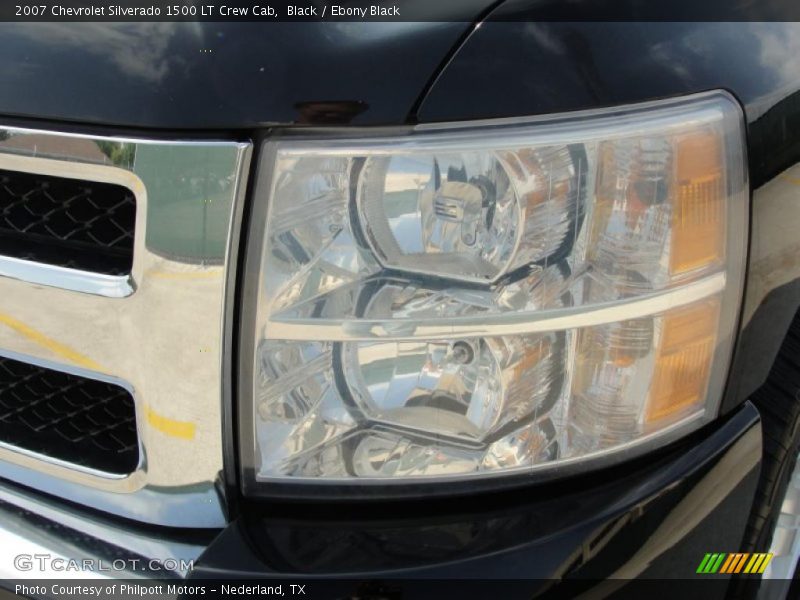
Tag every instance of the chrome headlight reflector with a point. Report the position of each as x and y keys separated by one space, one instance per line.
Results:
x=474 y=300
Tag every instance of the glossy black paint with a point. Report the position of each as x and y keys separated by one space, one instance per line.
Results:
x=154 y=75
x=508 y=69
x=653 y=519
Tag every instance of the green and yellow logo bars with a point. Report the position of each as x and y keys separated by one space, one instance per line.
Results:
x=742 y=562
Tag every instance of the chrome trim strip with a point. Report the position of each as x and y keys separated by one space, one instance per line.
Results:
x=111 y=286
x=785 y=543
x=110 y=534
x=230 y=442
x=495 y=325
x=156 y=332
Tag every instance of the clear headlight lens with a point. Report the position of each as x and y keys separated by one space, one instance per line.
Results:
x=464 y=301
x=472 y=216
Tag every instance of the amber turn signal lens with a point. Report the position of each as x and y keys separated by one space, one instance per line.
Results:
x=698 y=220
x=683 y=362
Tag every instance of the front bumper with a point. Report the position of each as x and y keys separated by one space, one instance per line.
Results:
x=652 y=518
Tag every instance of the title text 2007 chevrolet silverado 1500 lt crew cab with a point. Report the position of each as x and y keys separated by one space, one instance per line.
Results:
x=510 y=298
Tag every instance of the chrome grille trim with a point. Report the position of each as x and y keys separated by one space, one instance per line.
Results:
x=73 y=222
x=113 y=286
x=157 y=332
x=55 y=416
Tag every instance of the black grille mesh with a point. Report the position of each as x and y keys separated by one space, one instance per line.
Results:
x=71 y=418
x=67 y=222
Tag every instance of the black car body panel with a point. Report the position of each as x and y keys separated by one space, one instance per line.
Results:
x=681 y=503
x=219 y=75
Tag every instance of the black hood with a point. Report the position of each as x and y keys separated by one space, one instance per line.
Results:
x=219 y=75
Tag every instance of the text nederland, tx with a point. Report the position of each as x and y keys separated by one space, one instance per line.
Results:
x=139 y=590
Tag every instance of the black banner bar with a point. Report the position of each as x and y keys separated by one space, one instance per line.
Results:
x=705 y=587
x=396 y=10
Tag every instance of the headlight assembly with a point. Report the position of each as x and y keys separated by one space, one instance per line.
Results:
x=474 y=300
